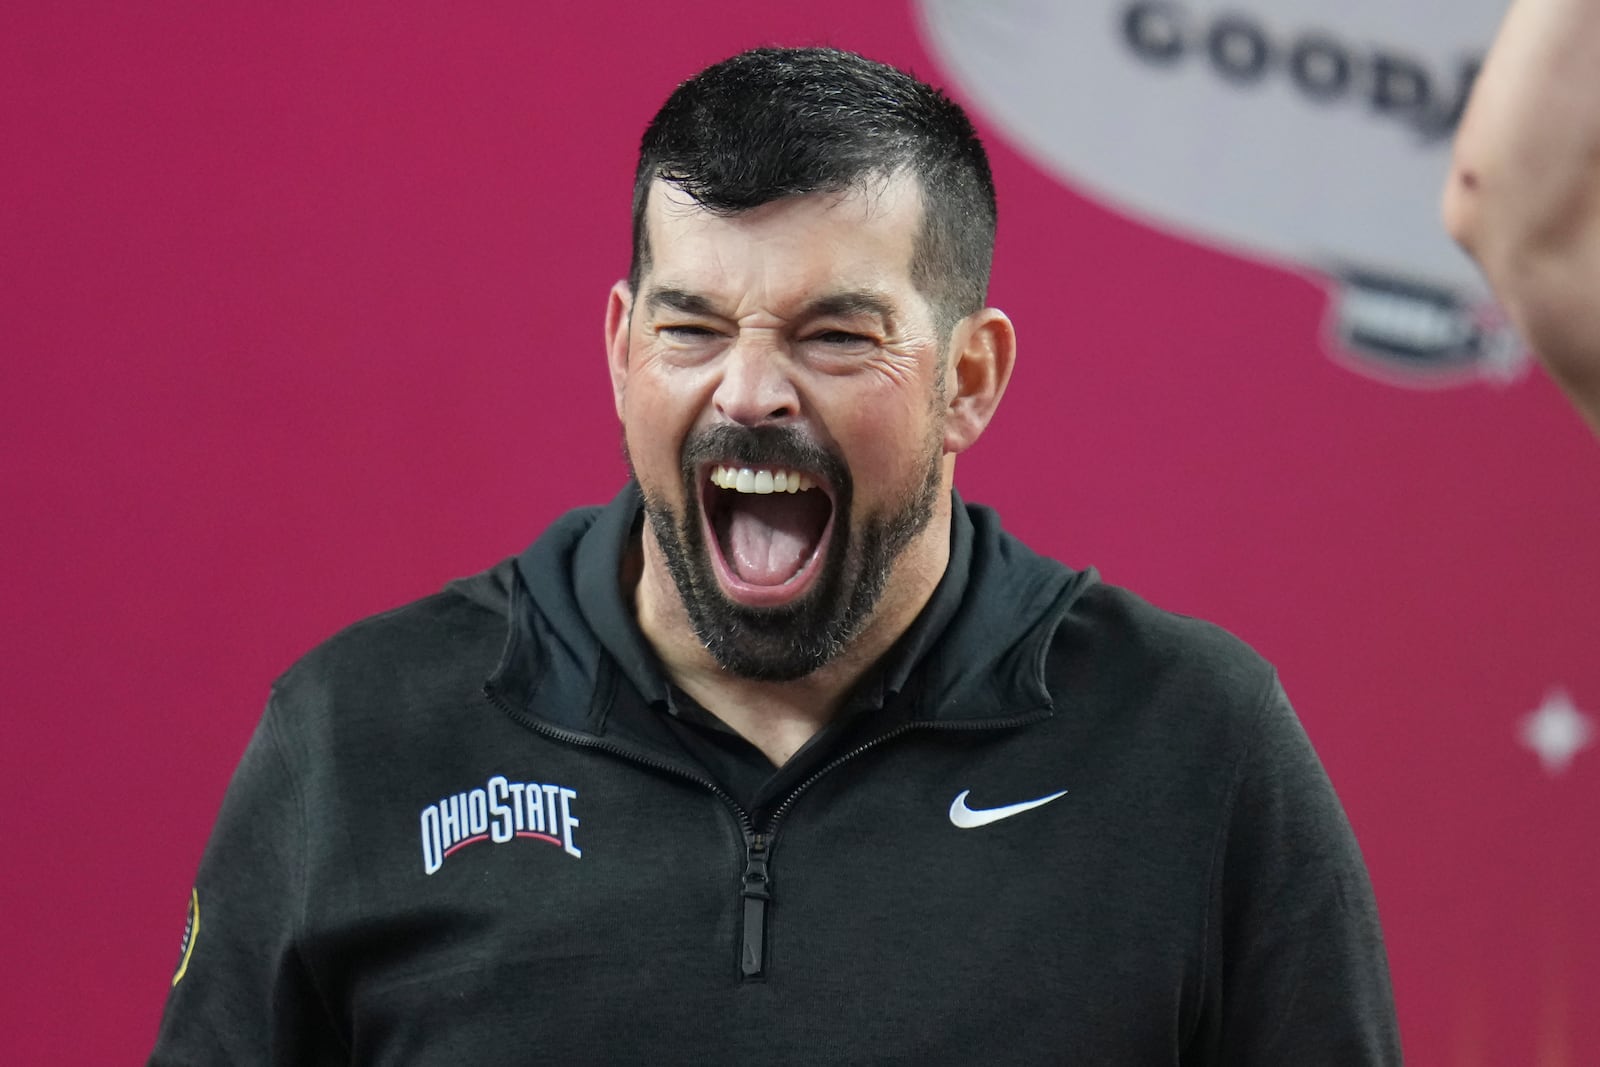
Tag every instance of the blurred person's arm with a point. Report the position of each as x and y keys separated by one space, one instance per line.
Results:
x=1523 y=195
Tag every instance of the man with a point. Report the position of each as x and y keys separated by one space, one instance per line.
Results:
x=1523 y=195
x=786 y=755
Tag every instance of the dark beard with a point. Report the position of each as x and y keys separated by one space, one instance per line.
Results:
x=784 y=643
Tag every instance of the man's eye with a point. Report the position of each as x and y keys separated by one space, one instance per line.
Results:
x=842 y=337
x=686 y=333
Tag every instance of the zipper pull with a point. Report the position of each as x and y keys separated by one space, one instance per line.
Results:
x=756 y=891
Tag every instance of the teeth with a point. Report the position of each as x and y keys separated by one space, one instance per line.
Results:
x=748 y=480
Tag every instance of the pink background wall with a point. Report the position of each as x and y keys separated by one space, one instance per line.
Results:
x=300 y=317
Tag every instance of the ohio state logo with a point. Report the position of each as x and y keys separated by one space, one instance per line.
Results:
x=498 y=812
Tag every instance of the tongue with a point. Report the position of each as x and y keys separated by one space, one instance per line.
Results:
x=769 y=538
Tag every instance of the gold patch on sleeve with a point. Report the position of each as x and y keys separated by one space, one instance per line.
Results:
x=191 y=930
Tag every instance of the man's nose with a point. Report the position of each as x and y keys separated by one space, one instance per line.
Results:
x=757 y=385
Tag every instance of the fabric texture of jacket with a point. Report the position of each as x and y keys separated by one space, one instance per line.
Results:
x=462 y=834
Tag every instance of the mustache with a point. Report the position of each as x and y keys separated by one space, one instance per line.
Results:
x=762 y=446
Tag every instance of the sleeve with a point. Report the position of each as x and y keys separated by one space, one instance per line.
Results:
x=1304 y=978
x=241 y=995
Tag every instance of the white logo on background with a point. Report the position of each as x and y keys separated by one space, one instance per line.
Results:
x=1556 y=731
x=968 y=818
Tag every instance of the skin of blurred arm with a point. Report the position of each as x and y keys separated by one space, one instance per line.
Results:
x=1523 y=196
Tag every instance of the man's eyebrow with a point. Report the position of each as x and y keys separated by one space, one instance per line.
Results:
x=847 y=304
x=850 y=303
x=682 y=301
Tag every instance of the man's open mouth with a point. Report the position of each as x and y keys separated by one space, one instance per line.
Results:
x=767 y=529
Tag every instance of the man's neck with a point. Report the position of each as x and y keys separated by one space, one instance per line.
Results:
x=780 y=717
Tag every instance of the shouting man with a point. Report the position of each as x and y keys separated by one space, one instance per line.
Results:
x=787 y=755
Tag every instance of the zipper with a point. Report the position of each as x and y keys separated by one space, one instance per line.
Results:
x=755 y=884
x=756 y=890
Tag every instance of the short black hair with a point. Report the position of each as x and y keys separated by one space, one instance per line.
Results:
x=777 y=122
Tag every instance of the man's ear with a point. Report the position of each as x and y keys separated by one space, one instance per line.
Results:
x=618 y=307
x=983 y=348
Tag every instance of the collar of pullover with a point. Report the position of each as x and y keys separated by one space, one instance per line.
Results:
x=975 y=654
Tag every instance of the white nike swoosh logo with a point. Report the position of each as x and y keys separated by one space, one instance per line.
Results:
x=968 y=819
